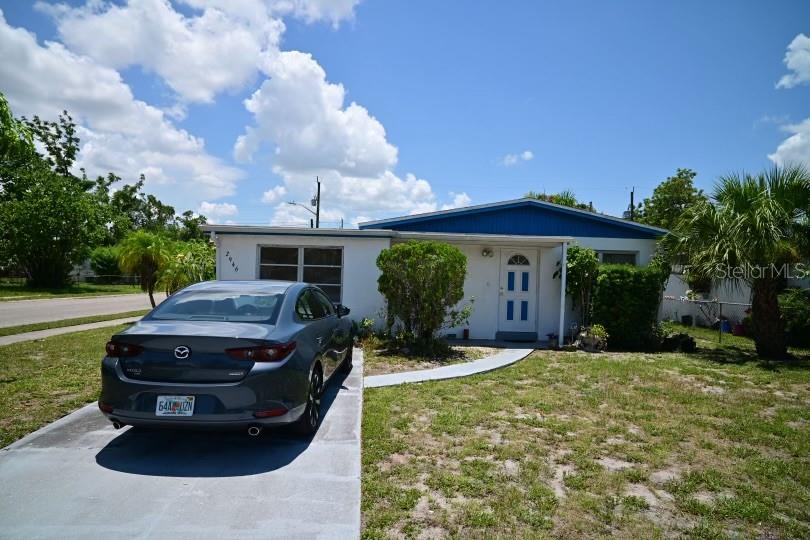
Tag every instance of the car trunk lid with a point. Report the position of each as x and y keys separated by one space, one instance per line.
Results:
x=191 y=352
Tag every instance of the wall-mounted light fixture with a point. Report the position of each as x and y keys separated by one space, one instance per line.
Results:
x=486 y=252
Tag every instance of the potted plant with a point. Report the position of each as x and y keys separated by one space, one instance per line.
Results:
x=593 y=338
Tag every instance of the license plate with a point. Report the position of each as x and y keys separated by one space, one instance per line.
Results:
x=174 y=406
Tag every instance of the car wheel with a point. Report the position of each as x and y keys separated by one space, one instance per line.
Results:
x=346 y=366
x=311 y=419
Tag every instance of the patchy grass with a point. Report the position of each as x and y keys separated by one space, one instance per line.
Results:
x=19 y=291
x=43 y=380
x=10 y=330
x=742 y=346
x=577 y=445
x=379 y=358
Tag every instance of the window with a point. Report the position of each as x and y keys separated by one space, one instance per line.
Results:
x=220 y=305
x=312 y=305
x=608 y=257
x=326 y=304
x=321 y=266
x=518 y=260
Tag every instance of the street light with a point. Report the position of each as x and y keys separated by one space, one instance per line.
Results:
x=316 y=202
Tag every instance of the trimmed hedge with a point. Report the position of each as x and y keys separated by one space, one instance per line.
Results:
x=626 y=302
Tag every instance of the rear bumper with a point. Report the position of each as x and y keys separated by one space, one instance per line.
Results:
x=246 y=420
x=217 y=405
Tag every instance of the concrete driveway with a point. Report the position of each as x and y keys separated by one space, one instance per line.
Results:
x=17 y=312
x=79 y=478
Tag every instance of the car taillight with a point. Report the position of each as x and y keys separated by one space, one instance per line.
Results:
x=105 y=407
x=264 y=353
x=116 y=348
x=272 y=413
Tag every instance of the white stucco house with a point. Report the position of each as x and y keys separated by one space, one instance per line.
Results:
x=512 y=248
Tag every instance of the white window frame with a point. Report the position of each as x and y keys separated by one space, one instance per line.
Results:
x=300 y=264
x=634 y=254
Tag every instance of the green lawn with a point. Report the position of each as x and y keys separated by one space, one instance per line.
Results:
x=574 y=445
x=43 y=380
x=18 y=290
x=10 y=330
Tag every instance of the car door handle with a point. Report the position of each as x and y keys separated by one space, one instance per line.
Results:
x=319 y=339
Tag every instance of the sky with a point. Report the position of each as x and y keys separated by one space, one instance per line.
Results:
x=231 y=108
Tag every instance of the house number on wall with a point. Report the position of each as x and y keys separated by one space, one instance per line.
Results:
x=233 y=262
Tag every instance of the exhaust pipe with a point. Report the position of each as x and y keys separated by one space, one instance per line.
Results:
x=254 y=431
x=117 y=425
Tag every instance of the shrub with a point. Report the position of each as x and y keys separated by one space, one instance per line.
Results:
x=422 y=283
x=190 y=262
x=626 y=303
x=582 y=269
x=104 y=262
x=795 y=306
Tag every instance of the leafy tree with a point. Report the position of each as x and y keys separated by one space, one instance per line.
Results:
x=60 y=142
x=49 y=226
x=422 y=283
x=189 y=226
x=581 y=273
x=753 y=226
x=104 y=262
x=191 y=262
x=16 y=140
x=145 y=254
x=48 y=219
x=564 y=198
x=670 y=200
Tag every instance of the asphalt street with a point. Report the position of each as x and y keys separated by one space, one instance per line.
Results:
x=17 y=312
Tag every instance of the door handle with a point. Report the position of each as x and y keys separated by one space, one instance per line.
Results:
x=319 y=339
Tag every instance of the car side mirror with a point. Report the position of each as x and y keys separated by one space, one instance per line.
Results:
x=342 y=310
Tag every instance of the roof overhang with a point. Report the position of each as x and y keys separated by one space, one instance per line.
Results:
x=458 y=238
x=475 y=209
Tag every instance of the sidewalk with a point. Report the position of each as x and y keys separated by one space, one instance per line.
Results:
x=40 y=334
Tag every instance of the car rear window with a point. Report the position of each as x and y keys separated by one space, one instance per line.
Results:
x=233 y=306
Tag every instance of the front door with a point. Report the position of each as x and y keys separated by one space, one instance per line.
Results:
x=518 y=291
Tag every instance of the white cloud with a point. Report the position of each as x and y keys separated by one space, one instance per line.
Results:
x=303 y=118
x=513 y=159
x=459 y=200
x=216 y=211
x=118 y=132
x=198 y=56
x=796 y=148
x=315 y=10
x=797 y=60
x=211 y=47
x=274 y=194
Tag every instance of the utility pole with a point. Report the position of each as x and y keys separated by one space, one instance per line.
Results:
x=632 y=204
x=318 y=204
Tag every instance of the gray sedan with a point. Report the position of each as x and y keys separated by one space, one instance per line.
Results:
x=243 y=354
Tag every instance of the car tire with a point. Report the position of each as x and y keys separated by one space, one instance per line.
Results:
x=311 y=418
x=346 y=366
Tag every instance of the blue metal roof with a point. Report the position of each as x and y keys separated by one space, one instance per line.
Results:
x=521 y=217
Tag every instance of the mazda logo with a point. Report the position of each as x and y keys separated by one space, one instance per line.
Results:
x=182 y=352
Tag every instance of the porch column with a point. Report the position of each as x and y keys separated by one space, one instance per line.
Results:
x=563 y=272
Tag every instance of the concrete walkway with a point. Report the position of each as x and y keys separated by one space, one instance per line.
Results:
x=79 y=478
x=21 y=312
x=499 y=360
x=39 y=334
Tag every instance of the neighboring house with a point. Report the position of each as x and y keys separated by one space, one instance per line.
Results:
x=512 y=248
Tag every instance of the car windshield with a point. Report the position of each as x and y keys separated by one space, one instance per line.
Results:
x=235 y=306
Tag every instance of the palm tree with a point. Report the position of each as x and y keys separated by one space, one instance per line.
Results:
x=750 y=230
x=145 y=254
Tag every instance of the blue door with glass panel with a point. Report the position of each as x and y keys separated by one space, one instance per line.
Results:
x=518 y=291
